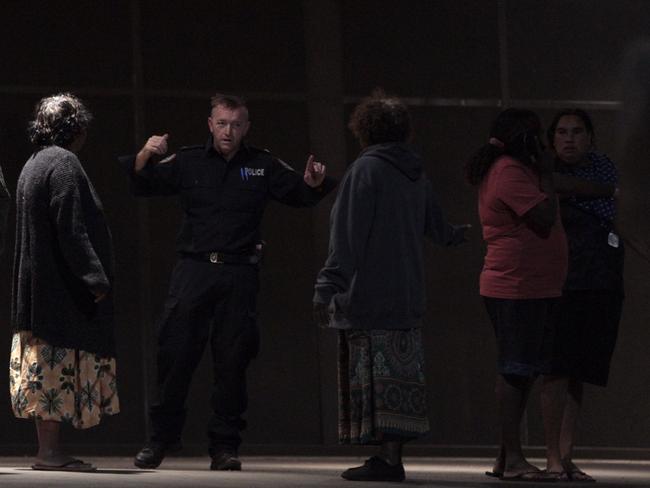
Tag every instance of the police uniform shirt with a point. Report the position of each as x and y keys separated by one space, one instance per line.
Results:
x=223 y=201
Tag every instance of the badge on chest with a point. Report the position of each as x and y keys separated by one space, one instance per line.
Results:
x=247 y=173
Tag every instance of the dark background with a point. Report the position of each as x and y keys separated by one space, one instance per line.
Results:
x=150 y=67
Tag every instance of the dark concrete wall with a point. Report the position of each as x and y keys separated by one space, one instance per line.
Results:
x=149 y=67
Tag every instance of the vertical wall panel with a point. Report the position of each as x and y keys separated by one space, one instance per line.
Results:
x=224 y=45
x=418 y=48
x=66 y=44
x=571 y=49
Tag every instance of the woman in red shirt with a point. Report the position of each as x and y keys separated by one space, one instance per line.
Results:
x=521 y=281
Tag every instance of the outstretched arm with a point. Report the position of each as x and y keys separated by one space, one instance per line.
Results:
x=572 y=185
x=150 y=177
x=314 y=172
x=436 y=226
x=289 y=188
x=155 y=145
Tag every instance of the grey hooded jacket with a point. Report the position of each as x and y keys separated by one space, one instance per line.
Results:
x=374 y=274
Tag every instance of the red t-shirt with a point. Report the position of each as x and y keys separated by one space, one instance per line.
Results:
x=519 y=263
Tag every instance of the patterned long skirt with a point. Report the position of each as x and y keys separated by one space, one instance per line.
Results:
x=382 y=391
x=58 y=384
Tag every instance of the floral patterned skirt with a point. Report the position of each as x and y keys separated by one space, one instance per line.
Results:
x=382 y=391
x=58 y=384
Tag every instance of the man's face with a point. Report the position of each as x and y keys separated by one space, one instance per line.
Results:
x=228 y=128
x=571 y=139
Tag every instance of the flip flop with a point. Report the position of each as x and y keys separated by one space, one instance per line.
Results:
x=535 y=476
x=73 y=465
x=494 y=474
x=576 y=474
x=552 y=476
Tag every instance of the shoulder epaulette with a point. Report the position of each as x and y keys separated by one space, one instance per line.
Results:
x=258 y=150
x=190 y=148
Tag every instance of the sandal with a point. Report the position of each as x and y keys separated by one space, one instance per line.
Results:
x=575 y=473
x=494 y=474
x=552 y=476
x=537 y=476
x=530 y=475
x=73 y=465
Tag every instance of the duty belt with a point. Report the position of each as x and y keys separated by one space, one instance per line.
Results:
x=221 y=258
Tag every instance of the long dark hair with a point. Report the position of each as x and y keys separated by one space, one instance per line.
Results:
x=515 y=133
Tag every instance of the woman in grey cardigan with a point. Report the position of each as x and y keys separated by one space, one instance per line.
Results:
x=62 y=366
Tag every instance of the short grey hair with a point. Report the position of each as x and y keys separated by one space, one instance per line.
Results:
x=58 y=119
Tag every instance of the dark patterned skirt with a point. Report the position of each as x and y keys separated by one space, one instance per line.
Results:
x=382 y=391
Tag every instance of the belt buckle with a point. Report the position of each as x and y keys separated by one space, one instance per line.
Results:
x=215 y=258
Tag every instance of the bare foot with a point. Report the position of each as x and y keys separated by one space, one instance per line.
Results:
x=519 y=468
x=499 y=464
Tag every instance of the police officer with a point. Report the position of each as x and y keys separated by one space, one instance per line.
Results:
x=224 y=187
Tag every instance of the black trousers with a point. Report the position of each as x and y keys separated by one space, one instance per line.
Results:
x=215 y=304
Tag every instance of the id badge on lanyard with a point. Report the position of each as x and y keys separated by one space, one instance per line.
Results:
x=613 y=239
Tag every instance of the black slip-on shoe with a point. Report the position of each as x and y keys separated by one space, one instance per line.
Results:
x=375 y=469
x=225 y=461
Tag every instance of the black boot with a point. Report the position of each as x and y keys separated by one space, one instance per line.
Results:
x=152 y=454
x=225 y=460
x=375 y=469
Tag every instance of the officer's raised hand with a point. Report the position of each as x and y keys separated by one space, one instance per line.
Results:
x=155 y=145
x=314 y=172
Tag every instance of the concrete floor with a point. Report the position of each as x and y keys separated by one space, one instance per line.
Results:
x=303 y=472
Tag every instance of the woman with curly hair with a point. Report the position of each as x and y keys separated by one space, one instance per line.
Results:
x=521 y=282
x=62 y=366
x=372 y=287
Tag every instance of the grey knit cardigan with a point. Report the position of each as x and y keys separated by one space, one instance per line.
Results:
x=63 y=253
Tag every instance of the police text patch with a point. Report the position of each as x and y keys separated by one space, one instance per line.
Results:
x=246 y=173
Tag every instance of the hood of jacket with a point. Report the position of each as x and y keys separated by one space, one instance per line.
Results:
x=398 y=154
